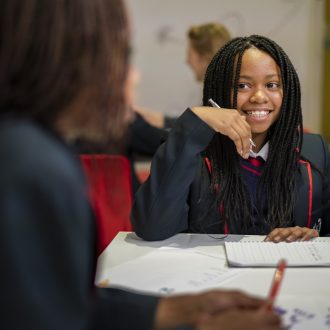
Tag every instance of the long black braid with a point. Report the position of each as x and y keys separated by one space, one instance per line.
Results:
x=277 y=181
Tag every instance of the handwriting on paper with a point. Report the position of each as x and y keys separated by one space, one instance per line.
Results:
x=298 y=318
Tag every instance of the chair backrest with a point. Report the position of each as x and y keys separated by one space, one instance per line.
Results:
x=110 y=183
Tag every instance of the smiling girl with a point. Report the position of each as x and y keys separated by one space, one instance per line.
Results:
x=208 y=178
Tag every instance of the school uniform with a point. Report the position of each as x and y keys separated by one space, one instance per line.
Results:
x=176 y=196
x=47 y=241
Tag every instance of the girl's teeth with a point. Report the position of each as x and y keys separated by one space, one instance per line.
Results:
x=257 y=113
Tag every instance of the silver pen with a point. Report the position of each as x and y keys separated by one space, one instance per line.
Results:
x=317 y=225
x=215 y=105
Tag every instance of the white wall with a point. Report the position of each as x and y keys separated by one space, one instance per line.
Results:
x=160 y=26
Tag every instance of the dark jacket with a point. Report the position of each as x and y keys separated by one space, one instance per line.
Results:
x=173 y=199
x=47 y=242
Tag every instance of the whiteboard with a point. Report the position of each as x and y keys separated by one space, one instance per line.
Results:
x=159 y=45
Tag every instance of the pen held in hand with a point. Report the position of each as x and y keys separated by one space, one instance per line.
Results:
x=277 y=280
x=215 y=105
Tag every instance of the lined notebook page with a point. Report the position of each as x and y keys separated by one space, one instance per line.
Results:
x=268 y=254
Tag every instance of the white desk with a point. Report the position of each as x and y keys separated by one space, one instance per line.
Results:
x=304 y=296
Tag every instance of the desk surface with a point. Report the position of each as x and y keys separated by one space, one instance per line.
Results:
x=304 y=295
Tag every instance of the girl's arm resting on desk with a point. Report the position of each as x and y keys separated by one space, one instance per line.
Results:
x=160 y=209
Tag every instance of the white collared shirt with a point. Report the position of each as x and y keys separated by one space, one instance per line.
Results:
x=263 y=152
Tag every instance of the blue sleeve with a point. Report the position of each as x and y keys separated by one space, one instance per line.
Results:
x=47 y=246
x=45 y=249
x=121 y=310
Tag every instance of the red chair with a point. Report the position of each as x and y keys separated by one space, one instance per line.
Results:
x=109 y=178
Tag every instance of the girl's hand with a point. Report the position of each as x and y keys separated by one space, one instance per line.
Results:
x=230 y=123
x=291 y=234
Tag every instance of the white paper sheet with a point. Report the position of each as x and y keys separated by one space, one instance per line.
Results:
x=170 y=270
x=265 y=254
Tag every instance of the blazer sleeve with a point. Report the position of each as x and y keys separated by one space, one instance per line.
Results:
x=121 y=310
x=325 y=229
x=46 y=235
x=160 y=208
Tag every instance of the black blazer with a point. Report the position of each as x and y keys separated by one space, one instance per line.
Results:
x=174 y=198
x=47 y=242
x=313 y=191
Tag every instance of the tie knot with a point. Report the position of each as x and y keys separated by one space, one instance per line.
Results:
x=256 y=161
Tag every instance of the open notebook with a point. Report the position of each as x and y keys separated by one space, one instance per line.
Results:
x=268 y=254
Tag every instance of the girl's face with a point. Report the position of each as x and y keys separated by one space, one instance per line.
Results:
x=260 y=92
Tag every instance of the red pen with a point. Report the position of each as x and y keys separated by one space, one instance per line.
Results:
x=277 y=280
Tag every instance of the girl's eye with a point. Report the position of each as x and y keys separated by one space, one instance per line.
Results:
x=242 y=86
x=273 y=85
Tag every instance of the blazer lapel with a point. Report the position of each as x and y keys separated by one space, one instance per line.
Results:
x=302 y=196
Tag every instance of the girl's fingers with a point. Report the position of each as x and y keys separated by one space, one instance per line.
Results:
x=240 y=138
x=291 y=234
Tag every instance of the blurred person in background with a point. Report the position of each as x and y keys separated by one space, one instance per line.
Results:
x=149 y=128
x=204 y=40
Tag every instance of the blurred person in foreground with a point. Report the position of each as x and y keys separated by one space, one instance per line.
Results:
x=64 y=74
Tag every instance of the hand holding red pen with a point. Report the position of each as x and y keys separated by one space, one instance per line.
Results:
x=216 y=309
x=246 y=317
